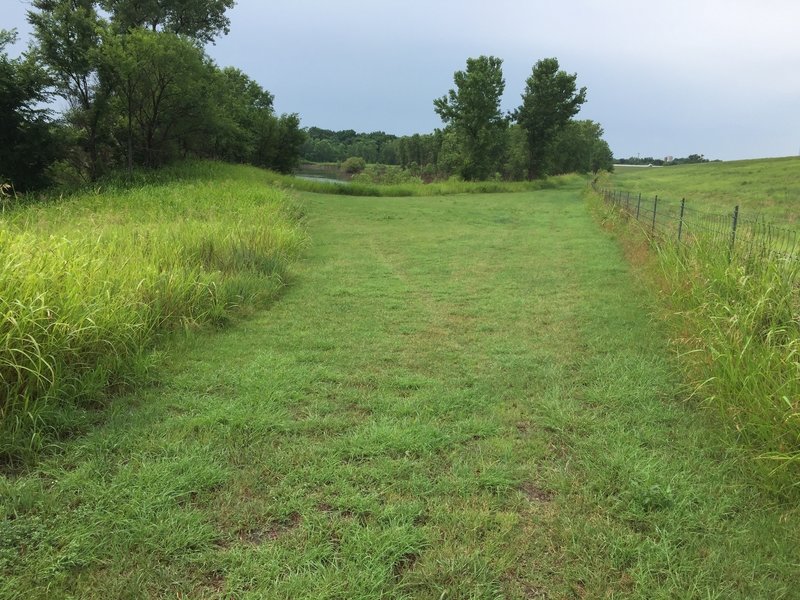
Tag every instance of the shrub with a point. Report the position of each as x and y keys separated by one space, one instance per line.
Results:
x=353 y=165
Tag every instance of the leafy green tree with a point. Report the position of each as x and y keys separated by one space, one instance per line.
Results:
x=550 y=100
x=578 y=148
x=473 y=112
x=202 y=20
x=255 y=134
x=163 y=82
x=288 y=144
x=68 y=35
x=27 y=144
x=241 y=105
x=450 y=160
x=515 y=167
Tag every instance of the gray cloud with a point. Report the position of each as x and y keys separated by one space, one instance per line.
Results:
x=711 y=76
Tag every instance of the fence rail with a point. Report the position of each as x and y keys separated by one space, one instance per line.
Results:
x=747 y=238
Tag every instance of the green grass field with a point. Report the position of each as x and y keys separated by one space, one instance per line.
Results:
x=765 y=188
x=458 y=397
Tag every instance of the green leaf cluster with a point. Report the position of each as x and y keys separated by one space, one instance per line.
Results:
x=141 y=91
x=473 y=111
x=27 y=142
x=550 y=100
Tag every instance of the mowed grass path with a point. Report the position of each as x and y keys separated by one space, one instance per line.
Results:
x=458 y=397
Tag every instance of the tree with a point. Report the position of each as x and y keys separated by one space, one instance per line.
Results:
x=515 y=167
x=288 y=144
x=241 y=105
x=27 y=144
x=473 y=111
x=549 y=102
x=164 y=83
x=579 y=148
x=68 y=33
x=201 y=20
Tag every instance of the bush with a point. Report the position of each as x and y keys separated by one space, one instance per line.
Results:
x=353 y=165
x=386 y=175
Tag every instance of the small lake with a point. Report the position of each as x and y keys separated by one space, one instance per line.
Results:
x=321 y=178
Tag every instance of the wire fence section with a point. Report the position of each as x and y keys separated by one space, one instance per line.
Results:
x=747 y=238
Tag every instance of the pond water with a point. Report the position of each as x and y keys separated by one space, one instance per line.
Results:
x=321 y=178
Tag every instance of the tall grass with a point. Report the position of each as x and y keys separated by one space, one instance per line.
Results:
x=736 y=323
x=87 y=283
x=399 y=190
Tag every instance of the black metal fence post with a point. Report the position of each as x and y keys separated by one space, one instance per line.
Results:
x=638 y=205
x=680 y=223
x=655 y=208
x=733 y=231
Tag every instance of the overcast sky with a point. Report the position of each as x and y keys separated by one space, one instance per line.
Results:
x=715 y=77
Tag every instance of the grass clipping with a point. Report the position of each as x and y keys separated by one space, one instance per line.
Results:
x=86 y=284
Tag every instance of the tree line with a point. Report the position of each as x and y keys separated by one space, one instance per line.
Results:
x=659 y=162
x=138 y=89
x=478 y=141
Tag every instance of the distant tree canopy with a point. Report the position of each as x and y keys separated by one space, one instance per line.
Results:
x=478 y=141
x=659 y=162
x=324 y=145
x=140 y=91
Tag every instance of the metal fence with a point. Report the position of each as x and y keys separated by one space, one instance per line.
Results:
x=737 y=236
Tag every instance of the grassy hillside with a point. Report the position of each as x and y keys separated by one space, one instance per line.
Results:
x=88 y=282
x=768 y=188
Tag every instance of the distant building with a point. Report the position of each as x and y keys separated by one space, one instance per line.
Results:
x=668 y=159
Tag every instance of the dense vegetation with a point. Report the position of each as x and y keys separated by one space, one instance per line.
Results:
x=478 y=141
x=87 y=283
x=394 y=182
x=324 y=145
x=140 y=90
x=659 y=162
x=734 y=312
